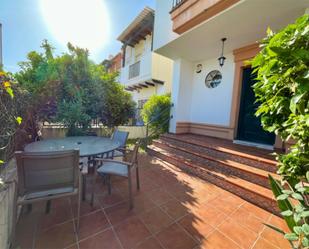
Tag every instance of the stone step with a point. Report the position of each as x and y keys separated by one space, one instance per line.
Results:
x=216 y=163
x=247 y=190
x=226 y=150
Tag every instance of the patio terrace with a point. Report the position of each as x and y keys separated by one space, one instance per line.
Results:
x=173 y=210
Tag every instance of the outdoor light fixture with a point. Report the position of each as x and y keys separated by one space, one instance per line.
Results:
x=221 y=59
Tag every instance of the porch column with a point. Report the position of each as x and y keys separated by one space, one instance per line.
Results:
x=181 y=94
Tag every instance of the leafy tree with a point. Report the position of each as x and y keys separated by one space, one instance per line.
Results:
x=73 y=90
x=283 y=93
x=9 y=114
x=156 y=113
x=118 y=106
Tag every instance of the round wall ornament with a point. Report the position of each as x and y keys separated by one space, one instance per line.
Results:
x=199 y=68
x=213 y=79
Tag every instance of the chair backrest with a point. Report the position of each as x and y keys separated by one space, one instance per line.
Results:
x=134 y=158
x=46 y=171
x=121 y=137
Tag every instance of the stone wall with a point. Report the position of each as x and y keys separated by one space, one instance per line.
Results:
x=7 y=190
x=58 y=132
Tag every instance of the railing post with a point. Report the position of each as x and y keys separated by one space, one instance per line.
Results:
x=147 y=133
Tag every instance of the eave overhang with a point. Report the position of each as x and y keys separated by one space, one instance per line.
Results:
x=141 y=26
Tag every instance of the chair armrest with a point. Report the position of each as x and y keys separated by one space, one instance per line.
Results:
x=112 y=161
x=124 y=150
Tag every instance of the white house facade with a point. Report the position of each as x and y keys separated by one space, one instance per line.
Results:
x=210 y=99
x=144 y=72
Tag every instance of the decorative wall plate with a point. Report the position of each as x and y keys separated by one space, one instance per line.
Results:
x=213 y=79
x=199 y=68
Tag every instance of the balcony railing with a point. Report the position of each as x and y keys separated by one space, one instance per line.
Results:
x=177 y=3
x=134 y=70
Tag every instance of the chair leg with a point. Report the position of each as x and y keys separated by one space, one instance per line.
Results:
x=130 y=192
x=78 y=210
x=137 y=179
x=29 y=208
x=84 y=187
x=109 y=185
x=14 y=220
x=93 y=188
x=47 y=208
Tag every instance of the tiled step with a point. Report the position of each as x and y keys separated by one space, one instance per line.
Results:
x=216 y=162
x=247 y=190
x=227 y=151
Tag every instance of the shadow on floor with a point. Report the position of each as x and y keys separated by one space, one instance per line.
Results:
x=173 y=210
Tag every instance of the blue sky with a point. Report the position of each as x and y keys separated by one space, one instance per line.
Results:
x=24 y=28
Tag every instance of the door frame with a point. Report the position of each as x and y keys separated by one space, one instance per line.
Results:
x=241 y=58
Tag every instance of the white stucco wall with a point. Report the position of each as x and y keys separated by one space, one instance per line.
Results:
x=196 y=103
x=212 y=105
x=145 y=70
x=181 y=92
x=146 y=93
x=163 y=28
x=162 y=69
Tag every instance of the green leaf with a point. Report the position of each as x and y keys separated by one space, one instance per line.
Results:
x=288 y=192
x=305 y=242
x=294 y=101
x=291 y=236
x=287 y=213
x=298 y=185
x=298 y=230
x=9 y=91
x=297 y=196
x=269 y=32
x=275 y=228
x=282 y=197
x=1 y=162
x=19 y=120
x=296 y=217
x=305 y=228
x=304 y=214
x=299 y=208
x=279 y=50
x=284 y=205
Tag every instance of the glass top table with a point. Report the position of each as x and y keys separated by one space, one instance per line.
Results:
x=88 y=145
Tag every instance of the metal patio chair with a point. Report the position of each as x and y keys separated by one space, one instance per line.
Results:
x=121 y=137
x=118 y=168
x=47 y=176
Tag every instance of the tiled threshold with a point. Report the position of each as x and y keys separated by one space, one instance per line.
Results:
x=173 y=210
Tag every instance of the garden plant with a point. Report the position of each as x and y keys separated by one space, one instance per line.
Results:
x=9 y=114
x=73 y=90
x=282 y=89
x=156 y=113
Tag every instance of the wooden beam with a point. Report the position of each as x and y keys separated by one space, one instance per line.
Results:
x=158 y=81
x=145 y=28
x=129 y=89
x=150 y=83
x=142 y=85
x=124 y=48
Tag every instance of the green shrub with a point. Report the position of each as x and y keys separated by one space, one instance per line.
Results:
x=156 y=113
x=282 y=90
x=11 y=105
x=73 y=90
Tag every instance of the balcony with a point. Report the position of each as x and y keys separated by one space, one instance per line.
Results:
x=187 y=14
x=177 y=3
x=134 y=70
x=138 y=71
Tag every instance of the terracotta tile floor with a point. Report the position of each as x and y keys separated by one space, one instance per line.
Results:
x=172 y=210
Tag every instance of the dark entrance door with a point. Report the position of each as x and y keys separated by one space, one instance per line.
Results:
x=249 y=126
